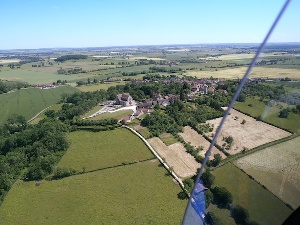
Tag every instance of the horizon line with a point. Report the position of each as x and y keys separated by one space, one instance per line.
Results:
x=149 y=45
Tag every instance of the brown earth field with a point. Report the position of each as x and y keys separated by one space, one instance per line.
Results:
x=189 y=135
x=251 y=134
x=183 y=164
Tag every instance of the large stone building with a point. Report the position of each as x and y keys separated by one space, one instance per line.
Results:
x=124 y=99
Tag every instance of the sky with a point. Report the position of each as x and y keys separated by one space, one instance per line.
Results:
x=31 y=24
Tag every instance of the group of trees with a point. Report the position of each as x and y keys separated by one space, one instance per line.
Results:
x=70 y=57
x=29 y=151
x=6 y=86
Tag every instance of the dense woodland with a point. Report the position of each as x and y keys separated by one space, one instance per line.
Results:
x=70 y=57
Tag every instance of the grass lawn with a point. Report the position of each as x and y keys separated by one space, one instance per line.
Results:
x=118 y=115
x=96 y=150
x=262 y=205
x=222 y=214
x=96 y=87
x=168 y=139
x=28 y=102
x=91 y=112
x=132 y=194
x=144 y=132
x=55 y=107
x=269 y=114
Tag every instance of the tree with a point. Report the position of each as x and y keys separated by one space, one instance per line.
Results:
x=241 y=97
x=284 y=113
x=208 y=197
x=50 y=113
x=240 y=214
x=15 y=123
x=207 y=178
x=212 y=219
x=222 y=196
x=217 y=159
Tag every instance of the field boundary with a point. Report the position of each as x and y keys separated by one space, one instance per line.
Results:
x=159 y=158
x=247 y=114
x=256 y=149
x=263 y=186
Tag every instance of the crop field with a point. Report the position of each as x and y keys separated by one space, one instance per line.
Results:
x=189 y=135
x=278 y=168
x=183 y=164
x=240 y=71
x=96 y=87
x=97 y=150
x=251 y=134
x=131 y=194
x=28 y=102
x=262 y=205
x=270 y=114
x=118 y=115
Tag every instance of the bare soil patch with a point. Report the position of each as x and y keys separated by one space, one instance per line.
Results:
x=251 y=134
x=189 y=135
x=183 y=164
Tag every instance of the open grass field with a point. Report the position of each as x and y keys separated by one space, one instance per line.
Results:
x=132 y=194
x=33 y=77
x=270 y=114
x=168 y=139
x=239 y=72
x=55 y=107
x=222 y=214
x=97 y=150
x=189 y=135
x=118 y=115
x=262 y=205
x=96 y=87
x=183 y=164
x=28 y=102
x=277 y=168
x=249 y=135
x=144 y=131
x=92 y=111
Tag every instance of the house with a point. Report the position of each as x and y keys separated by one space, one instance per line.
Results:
x=124 y=99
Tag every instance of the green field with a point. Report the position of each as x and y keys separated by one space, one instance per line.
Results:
x=96 y=150
x=262 y=205
x=96 y=87
x=117 y=115
x=28 y=102
x=92 y=111
x=131 y=194
x=35 y=77
x=168 y=139
x=278 y=168
x=55 y=107
x=269 y=114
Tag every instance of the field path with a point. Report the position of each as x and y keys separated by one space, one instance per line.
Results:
x=157 y=156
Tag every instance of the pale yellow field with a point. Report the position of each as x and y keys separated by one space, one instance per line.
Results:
x=249 y=135
x=184 y=164
x=240 y=72
x=9 y=60
x=278 y=168
x=142 y=57
x=190 y=135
